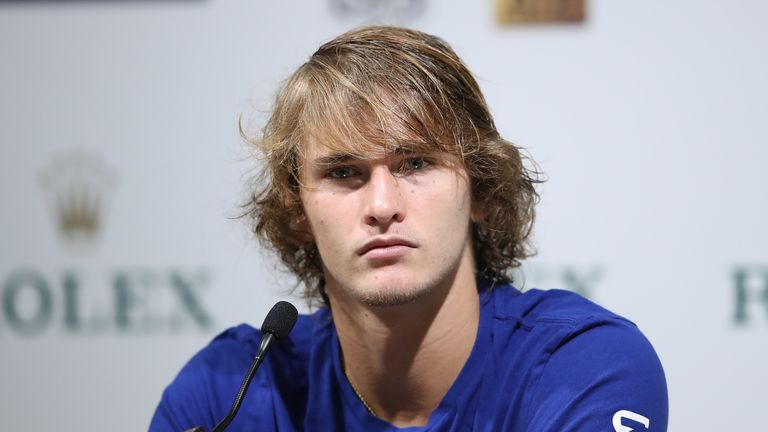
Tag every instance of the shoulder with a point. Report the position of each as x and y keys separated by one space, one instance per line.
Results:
x=554 y=317
x=194 y=397
x=205 y=387
x=554 y=305
x=590 y=364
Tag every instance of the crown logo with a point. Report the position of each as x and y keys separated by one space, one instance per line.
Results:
x=379 y=10
x=77 y=186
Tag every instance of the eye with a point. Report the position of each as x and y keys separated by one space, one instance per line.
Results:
x=414 y=164
x=340 y=172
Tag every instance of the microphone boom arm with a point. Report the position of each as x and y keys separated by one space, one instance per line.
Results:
x=266 y=343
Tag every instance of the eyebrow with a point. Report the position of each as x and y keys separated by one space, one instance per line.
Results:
x=334 y=159
x=341 y=158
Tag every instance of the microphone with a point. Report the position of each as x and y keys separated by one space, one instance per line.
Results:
x=278 y=323
x=280 y=320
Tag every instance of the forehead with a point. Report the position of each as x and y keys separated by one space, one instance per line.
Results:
x=365 y=138
x=314 y=151
x=369 y=122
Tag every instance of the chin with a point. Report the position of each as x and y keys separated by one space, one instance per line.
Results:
x=394 y=292
x=390 y=298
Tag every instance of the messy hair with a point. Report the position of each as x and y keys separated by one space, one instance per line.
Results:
x=380 y=89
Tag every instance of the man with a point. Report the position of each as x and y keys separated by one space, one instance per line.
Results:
x=389 y=193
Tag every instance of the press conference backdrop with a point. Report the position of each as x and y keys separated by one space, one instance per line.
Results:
x=121 y=172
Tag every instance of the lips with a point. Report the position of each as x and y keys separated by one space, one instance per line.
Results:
x=386 y=246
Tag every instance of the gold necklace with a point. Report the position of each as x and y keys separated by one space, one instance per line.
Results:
x=359 y=396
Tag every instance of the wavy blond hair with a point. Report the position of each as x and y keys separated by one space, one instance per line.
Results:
x=378 y=89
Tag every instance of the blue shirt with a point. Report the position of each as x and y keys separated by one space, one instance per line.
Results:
x=543 y=361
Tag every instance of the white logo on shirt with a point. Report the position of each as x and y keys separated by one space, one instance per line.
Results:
x=629 y=415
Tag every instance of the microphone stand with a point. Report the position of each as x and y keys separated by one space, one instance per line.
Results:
x=277 y=325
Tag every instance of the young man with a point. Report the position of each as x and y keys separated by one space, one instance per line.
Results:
x=388 y=191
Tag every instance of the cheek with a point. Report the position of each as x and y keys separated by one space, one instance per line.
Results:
x=325 y=216
x=458 y=200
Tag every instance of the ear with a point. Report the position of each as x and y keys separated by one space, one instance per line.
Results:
x=477 y=213
x=300 y=226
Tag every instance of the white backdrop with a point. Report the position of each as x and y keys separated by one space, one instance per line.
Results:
x=649 y=119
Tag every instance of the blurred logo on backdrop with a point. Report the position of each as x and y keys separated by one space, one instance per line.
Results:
x=86 y=296
x=539 y=11
x=396 y=11
x=750 y=294
x=78 y=188
x=584 y=279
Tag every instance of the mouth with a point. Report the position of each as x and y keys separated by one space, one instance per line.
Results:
x=386 y=247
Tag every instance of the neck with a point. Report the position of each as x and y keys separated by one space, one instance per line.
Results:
x=403 y=359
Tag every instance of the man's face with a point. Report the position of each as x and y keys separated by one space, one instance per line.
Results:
x=390 y=228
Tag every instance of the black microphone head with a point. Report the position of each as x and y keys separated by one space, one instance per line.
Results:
x=280 y=319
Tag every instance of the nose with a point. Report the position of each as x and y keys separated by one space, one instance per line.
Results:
x=384 y=200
